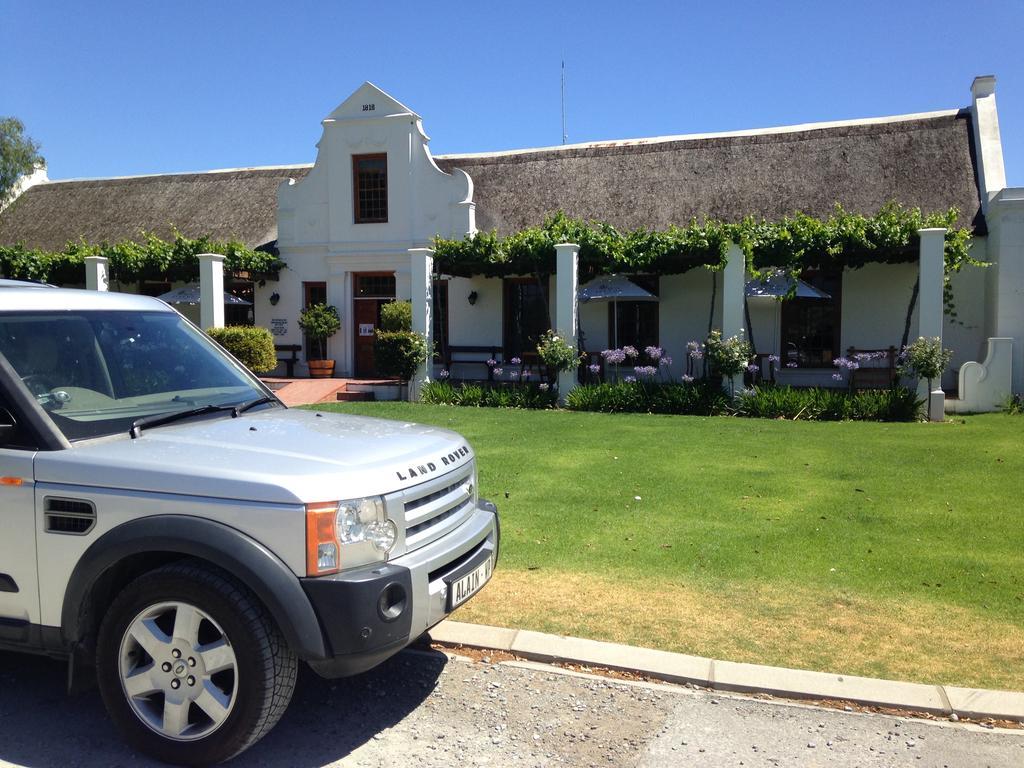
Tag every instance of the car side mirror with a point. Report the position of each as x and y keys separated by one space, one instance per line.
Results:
x=8 y=426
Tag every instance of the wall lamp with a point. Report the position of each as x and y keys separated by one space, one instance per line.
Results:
x=472 y=298
x=274 y=298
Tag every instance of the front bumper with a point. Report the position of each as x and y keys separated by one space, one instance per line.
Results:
x=371 y=613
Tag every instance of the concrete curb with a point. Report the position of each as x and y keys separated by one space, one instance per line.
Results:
x=732 y=676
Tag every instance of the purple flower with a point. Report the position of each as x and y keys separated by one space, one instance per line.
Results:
x=687 y=378
x=629 y=379
x=645 y=371
x=630 y=352
x=544 y=387
x=516 y=361
x=491 y=362
x=837 y=376
x=526 y=374
x=614 y=356
x=665 y=361
x=753 y=368
x=443 y=374
x=654 y=353
x=511 y=374
x=595 y=368
x=773 y=358
x=498 y=371
x=791 y=364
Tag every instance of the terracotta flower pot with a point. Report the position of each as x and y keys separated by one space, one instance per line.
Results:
x=321 y=369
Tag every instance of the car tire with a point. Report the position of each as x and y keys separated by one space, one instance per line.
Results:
x=191 y=668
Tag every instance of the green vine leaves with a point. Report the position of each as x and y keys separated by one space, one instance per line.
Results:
x=791 y=244
x=131 y=261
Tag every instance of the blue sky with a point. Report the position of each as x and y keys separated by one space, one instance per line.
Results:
x=118 y=88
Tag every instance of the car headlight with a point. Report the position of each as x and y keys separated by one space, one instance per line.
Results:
x=347 y=534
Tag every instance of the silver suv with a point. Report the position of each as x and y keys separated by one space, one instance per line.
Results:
x=165 y=520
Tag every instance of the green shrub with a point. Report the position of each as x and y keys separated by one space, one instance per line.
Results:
x=497 y=396
x=254 y=347
x=1014 y=405
x=726 y=357
x=396 y=316
x=696 y=399
x=557 y=354
x=399 y=353
x=897 y=404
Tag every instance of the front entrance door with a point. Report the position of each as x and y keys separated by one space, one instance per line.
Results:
x=370 y=291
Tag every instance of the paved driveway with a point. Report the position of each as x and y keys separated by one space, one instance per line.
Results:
x=424 y=709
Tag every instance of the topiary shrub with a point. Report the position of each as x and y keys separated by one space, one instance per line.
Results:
x=396 y=316
x=252 y=346
x=319 y=322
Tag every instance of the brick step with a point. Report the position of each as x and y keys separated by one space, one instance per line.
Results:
x=352 y=397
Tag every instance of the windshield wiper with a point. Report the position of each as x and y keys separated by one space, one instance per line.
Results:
x=155 y=421
x=241 y=408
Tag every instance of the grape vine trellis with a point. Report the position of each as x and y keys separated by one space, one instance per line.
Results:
x=792 y=244
x=131 y=261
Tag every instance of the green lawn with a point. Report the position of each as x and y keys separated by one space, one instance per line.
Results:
x=890 y=549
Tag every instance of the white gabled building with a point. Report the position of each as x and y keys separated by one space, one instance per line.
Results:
x=345 y=225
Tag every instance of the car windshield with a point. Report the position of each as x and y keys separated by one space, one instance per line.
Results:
x=97 y=372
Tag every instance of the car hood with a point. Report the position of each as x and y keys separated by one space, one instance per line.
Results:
x=276 y=455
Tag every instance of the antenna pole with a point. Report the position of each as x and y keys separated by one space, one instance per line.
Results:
x=565 y=136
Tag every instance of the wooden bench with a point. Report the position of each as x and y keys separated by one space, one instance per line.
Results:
x=877 y=373
x=289 y=362
x=470 y=355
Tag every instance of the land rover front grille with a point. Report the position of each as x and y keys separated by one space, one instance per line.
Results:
x=426 y=512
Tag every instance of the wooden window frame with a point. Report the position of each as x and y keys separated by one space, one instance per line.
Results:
x=356 y=212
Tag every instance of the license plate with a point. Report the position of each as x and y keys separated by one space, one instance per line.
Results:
x=460 y=590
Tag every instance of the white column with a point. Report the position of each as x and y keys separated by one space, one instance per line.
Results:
x=97 y=274
x=931 y=268
x=567 y=282
x=421 y=263
x=211 y=290
x=733 y=296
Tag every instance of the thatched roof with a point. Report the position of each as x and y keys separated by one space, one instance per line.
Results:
x=917 y=160
x=237 y=204
x=923 y=161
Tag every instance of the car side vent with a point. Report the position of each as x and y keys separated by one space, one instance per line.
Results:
x=70 y=516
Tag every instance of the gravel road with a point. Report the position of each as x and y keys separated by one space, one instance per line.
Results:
x=426 y=709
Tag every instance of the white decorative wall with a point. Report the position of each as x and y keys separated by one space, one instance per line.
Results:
x=317 y=234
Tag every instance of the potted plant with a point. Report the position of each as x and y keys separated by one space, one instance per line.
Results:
x=319 y=322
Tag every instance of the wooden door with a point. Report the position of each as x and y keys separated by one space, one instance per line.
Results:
x=369 y=291
x=367 y=315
